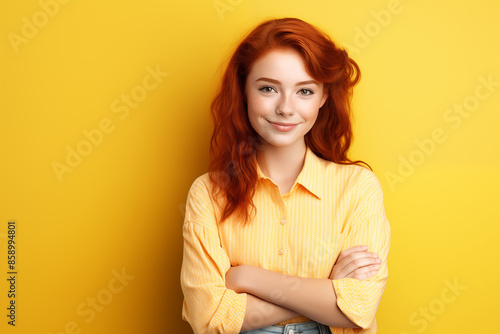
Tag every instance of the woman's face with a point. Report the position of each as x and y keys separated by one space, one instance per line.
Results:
x=279 y=90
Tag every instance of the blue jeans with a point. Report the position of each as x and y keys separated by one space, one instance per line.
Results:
x=310 y=327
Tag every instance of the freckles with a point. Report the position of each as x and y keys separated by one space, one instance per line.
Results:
x=311 y=112
x=256 y=113
x=260 y=107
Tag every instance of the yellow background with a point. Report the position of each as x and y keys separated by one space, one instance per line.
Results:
x=121 y=207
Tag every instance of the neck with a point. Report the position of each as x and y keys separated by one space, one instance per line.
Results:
x=282 y=164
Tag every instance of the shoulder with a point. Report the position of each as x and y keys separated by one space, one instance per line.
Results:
x=369 y=182
x=200 y=184
x=199 y=190
x=366 y=184
x=199 y=205
x=358 y=179
x=354 y=177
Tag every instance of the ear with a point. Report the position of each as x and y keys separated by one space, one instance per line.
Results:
x=323 y=99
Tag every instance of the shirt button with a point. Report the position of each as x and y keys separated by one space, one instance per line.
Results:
x=280 y=251
x=283 y=221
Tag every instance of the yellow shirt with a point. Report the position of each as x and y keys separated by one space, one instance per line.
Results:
x=331 y=207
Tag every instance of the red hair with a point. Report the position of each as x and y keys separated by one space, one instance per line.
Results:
x=234 y=141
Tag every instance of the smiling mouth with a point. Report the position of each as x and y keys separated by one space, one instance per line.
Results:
x=284 y=124
x=283 y=127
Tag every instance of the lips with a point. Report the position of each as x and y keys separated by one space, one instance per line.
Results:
x=285 y=124
x=283 y=127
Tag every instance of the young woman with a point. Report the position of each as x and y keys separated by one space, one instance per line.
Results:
x=284 y=234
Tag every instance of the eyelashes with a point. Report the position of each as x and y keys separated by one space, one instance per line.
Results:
x=303 y=91
x=308 y=91
x=266 y=89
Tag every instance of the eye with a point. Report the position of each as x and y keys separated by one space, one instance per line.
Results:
x=306 y=92
x=267 y=89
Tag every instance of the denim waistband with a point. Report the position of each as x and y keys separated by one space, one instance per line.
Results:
x=296 y=328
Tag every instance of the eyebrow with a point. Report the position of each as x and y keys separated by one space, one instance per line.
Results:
x=297 y=84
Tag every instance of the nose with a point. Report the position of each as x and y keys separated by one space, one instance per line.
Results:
x=285 y=105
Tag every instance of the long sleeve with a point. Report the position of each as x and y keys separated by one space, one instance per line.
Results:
x=208 y=306
x=359 y=299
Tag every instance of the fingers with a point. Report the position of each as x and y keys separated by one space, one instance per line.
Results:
x=360 y=262
x=348 y=251
x=355 y=257
x=356 y=262
x=365 y=272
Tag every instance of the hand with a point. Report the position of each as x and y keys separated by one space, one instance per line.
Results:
x=356 y=262
x=233 y=278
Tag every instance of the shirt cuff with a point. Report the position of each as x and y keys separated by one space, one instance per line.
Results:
x=351 y=299
x=231 y=319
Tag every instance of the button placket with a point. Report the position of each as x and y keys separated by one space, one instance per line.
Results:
x=282 y=219
x=282 y=222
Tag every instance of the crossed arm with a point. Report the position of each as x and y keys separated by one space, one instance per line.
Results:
x=273 y=297
x=324 y=300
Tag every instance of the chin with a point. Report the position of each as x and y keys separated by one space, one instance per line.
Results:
x=280 y=143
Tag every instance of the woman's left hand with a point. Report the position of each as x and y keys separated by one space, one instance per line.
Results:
x=233 y=278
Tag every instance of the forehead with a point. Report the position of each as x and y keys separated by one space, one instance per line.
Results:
x=280 y=63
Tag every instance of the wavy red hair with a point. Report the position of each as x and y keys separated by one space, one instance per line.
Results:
x=234 y=145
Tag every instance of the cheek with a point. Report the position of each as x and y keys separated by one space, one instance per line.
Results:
x=258 y=106
x=310 y=111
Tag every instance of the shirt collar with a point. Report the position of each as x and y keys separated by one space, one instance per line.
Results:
x=311 y=175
